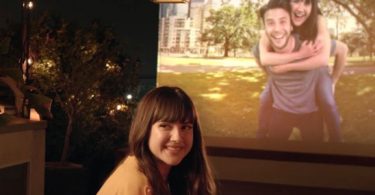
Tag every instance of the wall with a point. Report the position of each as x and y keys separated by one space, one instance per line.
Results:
x=301 y=167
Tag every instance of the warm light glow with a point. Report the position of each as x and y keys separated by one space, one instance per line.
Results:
x=30 y=5
x=72 y=97
x=2 y=109
x=214 y=96
x=109 y=66
x=112 y=67
x=29 y=61
x=129 y=96
x=121 y=107
x=112 y=112
x=34 y=116
x=50 y=63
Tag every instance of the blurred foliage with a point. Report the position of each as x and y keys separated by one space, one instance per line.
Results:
x=87 y=73
x=355 y=42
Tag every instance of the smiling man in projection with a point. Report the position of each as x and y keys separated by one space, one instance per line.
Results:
x=293 y=92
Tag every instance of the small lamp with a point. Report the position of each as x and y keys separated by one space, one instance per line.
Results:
x=2 y=109
x=34 y=116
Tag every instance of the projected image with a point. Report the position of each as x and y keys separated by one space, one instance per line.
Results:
x=280 y=88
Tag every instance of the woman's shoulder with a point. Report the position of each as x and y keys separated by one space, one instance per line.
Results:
x=126 y=179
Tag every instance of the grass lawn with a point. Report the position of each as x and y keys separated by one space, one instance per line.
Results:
x=249 y=61
x=360 y=61
x=228 y=102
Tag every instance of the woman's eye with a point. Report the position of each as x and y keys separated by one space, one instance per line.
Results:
x=165 y=126
x=187 y=127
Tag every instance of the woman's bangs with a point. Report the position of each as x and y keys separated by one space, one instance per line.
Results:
x=174 y=110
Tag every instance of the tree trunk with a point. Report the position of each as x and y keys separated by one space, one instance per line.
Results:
x=226 y=51
x=69 y=129
x=226 y=47
x=207 y=49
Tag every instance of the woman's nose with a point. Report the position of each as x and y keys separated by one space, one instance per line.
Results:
x=176 y=133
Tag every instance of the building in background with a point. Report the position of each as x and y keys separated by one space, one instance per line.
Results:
x=181 y=25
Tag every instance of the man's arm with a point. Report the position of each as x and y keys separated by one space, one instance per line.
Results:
x=256 y=55
x=269 y=58
x=321 y=59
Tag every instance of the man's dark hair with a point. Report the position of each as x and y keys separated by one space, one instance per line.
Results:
x=273 y=4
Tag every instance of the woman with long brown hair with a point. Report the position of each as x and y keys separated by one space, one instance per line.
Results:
x=167 y=152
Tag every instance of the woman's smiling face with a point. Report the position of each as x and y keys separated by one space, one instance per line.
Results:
x=170 y=142
x=300 y=11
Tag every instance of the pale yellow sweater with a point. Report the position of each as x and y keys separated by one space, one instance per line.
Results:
x=126 y=180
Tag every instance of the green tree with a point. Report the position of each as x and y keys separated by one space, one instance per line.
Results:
x=85 y=69
x=364 y=12
x=355 y=41
x=231 y=27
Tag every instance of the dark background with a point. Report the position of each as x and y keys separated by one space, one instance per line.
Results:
x=134 y=21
